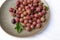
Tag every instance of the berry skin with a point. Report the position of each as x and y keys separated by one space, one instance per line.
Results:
x=13 y=21
x=28 y=28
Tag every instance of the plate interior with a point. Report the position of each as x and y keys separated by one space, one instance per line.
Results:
x=7 y=26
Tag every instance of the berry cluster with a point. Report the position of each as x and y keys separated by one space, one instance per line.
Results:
x=29 y=13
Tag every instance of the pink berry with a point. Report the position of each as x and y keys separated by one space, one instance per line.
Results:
x=28 y=28
x=23 y=24
x=21 y=20
x=29 y=5
x=40 y=14
x=44 y=8
x=35 y=1
x=21 y=6
x=31 y=0
x=23 y=9
x=35 y=15
x=32 y=26
x=18 y=15
x=11 y=9
x=31 y=16
x=28 y=24
x=25 y=13
x=17 y=19
x=18 y=3
x=28 y=1
x=38 y=9
x=38 y=20
x=28 y=11
x=24 y=3
x=30 y=21
x=32 y=8
x=21 y=1
x=27 y=17
x=38 y=26
x=25 y=0
x=22 y=15
x=18 y=12
x=12 y=14
x=41 y=7
x=42 y=19
x=34 y=19
x=26 y=7
x=34 y=4
x=25 y=21
x=34 y=23
x=43 y=12
x=40 y=4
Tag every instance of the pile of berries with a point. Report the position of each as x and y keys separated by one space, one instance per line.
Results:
x=30 y=13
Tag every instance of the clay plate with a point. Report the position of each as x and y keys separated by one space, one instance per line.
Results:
x=7 y=26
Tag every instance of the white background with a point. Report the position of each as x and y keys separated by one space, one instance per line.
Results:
x=52 y=32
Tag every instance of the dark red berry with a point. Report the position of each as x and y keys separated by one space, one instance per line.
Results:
x=13 y=21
